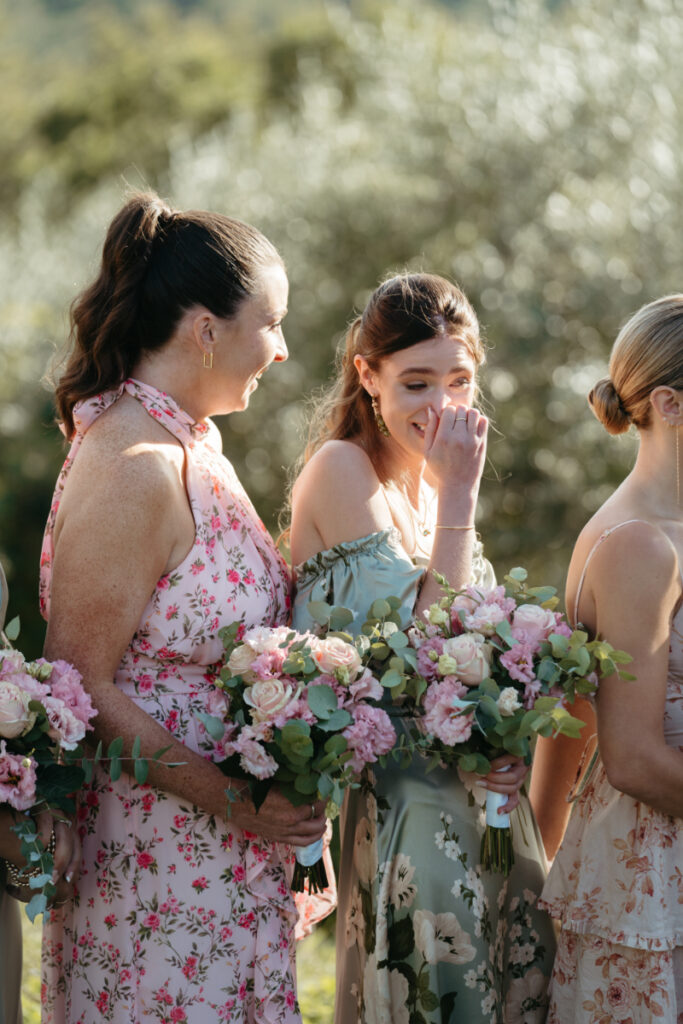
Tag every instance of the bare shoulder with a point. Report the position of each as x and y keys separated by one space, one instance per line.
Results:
x=635 y=561
x=336 y=465
x=336 y=498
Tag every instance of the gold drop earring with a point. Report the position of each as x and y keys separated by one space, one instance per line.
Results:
x=379 y=419
x=207 y=361
x=676 y=427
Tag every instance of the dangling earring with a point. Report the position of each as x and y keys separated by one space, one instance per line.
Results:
x=676 y=427
x=379 y=419
x=207 y=361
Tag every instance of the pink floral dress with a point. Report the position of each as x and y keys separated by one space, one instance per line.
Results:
x=179 y=917
x=617 y=887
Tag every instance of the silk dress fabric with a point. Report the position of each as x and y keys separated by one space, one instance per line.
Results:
x=616 y=886
x=424 y=936
x=179 y=916
x=10 y=915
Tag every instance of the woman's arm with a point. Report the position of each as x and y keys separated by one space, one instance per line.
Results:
x=118 y=536
x=556 y=764
x=635 y=583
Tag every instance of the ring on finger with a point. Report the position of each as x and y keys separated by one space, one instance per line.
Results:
x=312 y=812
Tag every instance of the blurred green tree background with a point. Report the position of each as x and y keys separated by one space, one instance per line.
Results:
x=530 y=150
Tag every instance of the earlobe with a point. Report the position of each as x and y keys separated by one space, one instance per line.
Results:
x=668 y=405
x=365 y=375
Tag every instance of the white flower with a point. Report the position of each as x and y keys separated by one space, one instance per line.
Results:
x=240 y=659
x=515 y=932
x=451 y=849
x=338 y=657
x=508 y=702
x=355 y=922
x=471 y=979
x=385 y=995
x=488 y=1003
x=266 y=697
x=456 y=888
x=365 y=852
x=526 y=998
x=439 y=839
x=441 y=938
x=522 y=953
x=401 y=890
x=529 y=896
x=15 y=717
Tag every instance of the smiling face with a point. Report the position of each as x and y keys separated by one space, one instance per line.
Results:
x=245 y=345
x=431 y=374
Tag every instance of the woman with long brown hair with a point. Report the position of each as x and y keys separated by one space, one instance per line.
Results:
x=183 y=912
x=388 y=493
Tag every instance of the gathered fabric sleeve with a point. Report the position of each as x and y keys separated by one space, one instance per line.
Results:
x=354 y=574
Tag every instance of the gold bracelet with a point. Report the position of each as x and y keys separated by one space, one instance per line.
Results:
x=22 y=876
x=440 y=526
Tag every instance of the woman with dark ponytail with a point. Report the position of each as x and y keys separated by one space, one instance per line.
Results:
x=616 y=884
x=183 y=911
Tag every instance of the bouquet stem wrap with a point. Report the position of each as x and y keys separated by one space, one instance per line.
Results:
x=309 y=867
x=497 y=853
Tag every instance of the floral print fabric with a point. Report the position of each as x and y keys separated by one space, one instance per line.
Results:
x=424 y=935
x=179 y=917
x=617 y=888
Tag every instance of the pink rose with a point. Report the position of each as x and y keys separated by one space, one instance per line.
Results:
x=532 y=624
x=15 y=716
x=338 y=657
x=466 y=658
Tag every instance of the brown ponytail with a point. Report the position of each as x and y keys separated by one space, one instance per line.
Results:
x=156 y=264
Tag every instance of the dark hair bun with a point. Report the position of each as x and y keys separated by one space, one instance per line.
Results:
x=607 y=406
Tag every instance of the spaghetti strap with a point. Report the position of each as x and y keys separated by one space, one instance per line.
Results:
x=603 y=536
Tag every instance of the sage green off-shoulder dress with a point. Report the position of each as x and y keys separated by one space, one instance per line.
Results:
x=424 y=936
x=10 y=916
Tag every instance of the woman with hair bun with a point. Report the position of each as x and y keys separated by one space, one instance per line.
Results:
x=184 y=911
x=617 y=881
x=388 y=494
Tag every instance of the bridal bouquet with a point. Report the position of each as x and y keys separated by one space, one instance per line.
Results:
x=44 y=715
x=494 y=669
x=300 y=712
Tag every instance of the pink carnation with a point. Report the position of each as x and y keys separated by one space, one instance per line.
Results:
x=268 y=665
x=442 y=719
x=66 y=727
x=254 y=758
x=531 y=692
x=66 y=685
x=297 y=708
x=370 y=735
x=519 y=662
x=17 y=779
x=562 y=627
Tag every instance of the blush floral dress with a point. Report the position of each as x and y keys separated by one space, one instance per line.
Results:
x=616 y=885
x=179 y=916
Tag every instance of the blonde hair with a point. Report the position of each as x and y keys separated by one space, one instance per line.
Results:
x=403 y=311
x=647 y=354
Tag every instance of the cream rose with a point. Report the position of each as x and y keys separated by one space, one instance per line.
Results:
x=333 y=654
x=533 y=623
x=266 y=697
x=470 y=658
x=508 y=702
x=484 y=618
x=15 y=716
x=241 y=659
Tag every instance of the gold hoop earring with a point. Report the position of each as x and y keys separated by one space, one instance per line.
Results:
x=379 y=419
x=207 y=363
